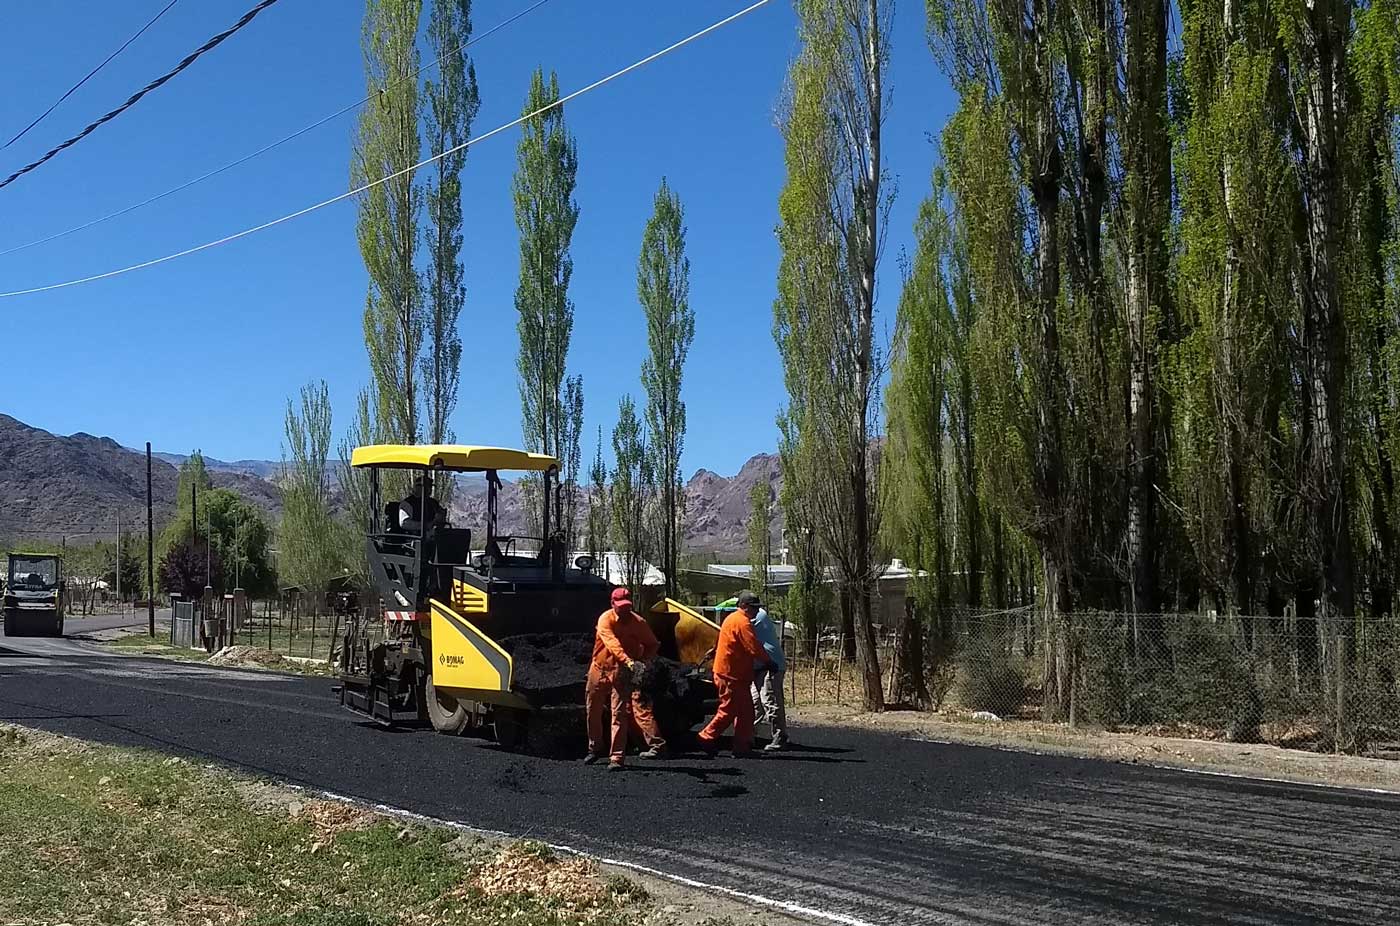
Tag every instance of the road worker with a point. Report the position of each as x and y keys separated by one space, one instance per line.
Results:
x=736 y=653
x=622 y=644
x=768 y=678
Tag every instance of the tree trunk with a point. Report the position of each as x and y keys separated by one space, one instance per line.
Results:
x=1148 y=165
x=1324 y=329
x=911 y=686
x=848 y=624
x=999 y=575
x=970 y=502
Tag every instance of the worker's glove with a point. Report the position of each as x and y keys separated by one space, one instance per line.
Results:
x=636 y=667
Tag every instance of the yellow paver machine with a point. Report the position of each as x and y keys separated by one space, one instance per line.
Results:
x=491 y=632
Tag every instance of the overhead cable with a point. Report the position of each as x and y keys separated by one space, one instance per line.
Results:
x=90 y=74
x=399 y=173
x=135 y=97
x=277 y=144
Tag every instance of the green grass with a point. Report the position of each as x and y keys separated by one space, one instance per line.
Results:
x=140 y=644
x=99 y=835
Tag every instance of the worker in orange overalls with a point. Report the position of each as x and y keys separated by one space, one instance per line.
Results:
x=623 y=642
x=735 y=654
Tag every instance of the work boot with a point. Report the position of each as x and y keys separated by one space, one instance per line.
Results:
x=654 y=752
x=592 y=759
x=616 y=766
x=776 y=746
x=708 y=749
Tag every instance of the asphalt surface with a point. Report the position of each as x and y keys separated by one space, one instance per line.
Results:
x=866 y=826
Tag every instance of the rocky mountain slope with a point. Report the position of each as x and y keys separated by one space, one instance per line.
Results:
x=52 y=485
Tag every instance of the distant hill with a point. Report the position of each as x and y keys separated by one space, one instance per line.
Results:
x=263 y=469
x=716 y=507
x=52 y=485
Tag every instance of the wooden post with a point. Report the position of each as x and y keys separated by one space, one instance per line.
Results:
x=816 y=661
x=840 y=665
x=335 y=632
x=150 y=550
x=311 y=648
x=792 y=672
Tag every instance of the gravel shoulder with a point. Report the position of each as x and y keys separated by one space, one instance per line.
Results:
x=1248 y=760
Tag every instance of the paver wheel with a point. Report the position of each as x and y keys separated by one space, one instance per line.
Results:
x=10 y=623
x=446 y=713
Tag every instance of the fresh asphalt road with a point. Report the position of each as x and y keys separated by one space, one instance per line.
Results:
x=864 y=826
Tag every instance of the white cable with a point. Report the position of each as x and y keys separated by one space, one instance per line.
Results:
x=266 y=148
x=385 y=179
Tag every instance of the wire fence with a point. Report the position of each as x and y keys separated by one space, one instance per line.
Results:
x=1318 y=683
x=273 y=626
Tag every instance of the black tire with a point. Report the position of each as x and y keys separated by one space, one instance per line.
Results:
x=447 y=715
x=10 y=623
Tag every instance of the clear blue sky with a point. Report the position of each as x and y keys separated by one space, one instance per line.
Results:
x=203 y=352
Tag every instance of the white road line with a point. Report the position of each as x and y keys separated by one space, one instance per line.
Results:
x=1216 y=773
x=401 y=813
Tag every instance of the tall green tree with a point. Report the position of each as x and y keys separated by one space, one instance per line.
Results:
x=311 y=548
x=759 y=531
x=831 y=227
x=599 y=513
x=629 y=495
x=388 y=143
x=355 y=485
x=545 y=213
x=663 y=287
x=571 y=461
x=452 y=105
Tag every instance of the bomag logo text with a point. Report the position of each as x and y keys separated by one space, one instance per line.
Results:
x=447 y=659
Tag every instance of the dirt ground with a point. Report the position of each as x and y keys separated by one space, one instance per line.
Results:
x=1249 y=760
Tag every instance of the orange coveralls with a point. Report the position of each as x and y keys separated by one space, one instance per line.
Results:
x=619 y=640
x=735 y=653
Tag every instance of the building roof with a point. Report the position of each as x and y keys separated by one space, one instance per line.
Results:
x=780 y=575
x=453 y=457
x=613 y=567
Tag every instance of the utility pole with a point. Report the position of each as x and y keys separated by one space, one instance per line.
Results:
x=150 y=551
x=119 y=562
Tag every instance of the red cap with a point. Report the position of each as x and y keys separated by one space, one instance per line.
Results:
x=621 y=596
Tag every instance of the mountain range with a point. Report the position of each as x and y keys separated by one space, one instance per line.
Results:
x=78 y=485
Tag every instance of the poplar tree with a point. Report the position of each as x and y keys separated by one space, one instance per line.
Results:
x=759 y=531
x=663 y=287
x=388 y=221
x=831 y=230
x=628 y=496
x=545 y=214
x=309 y=538
x=452 y=104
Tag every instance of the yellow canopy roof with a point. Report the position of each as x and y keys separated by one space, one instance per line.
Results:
x=451 y=457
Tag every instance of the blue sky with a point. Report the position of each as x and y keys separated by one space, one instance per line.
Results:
x=203 y=352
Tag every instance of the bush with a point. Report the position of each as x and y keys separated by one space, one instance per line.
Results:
x=992 y=680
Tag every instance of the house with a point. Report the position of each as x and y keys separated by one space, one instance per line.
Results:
x=613 y=567
x=718 y=581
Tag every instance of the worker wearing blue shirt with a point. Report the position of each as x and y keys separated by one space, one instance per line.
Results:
x=768 y=680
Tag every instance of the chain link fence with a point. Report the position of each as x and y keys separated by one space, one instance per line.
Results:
x=1315 y=683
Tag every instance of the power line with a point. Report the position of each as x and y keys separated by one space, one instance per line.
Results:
x=90 y=74
x=399 y=173
x=135 y=97
x=277 y=144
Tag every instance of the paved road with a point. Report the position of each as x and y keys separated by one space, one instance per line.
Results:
x=875 y=828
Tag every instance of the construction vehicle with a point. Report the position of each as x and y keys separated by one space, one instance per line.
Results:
x=494 y=636
x=34 y=595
